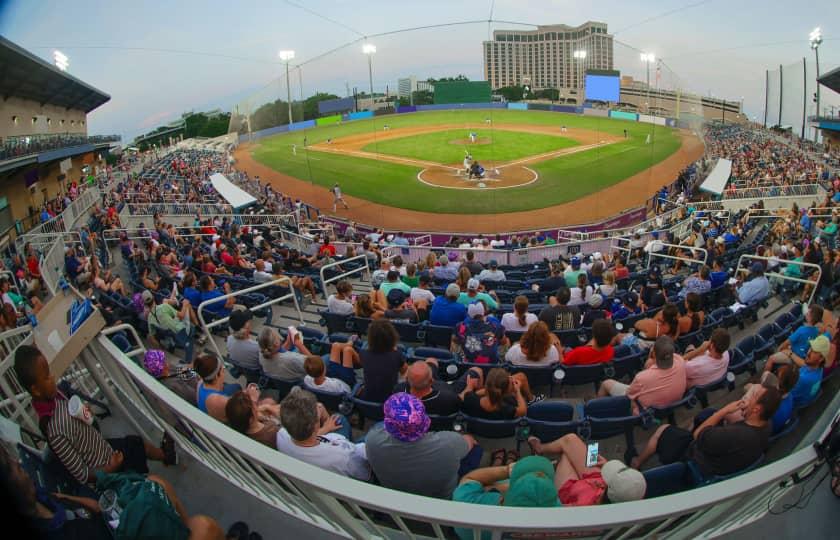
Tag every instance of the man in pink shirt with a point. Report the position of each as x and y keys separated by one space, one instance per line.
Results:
x=708 y=362
x=661 y=383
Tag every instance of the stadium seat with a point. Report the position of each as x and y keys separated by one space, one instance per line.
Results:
x=331 y=400
x=335 y=323
x=283 y=387
x=702 y=390
x=627 y=361
x=438 y=336
x=367 y=410
x=669 y=411
x=701 y=480
x=788 y=426
x=491 y=429
x=667 y=480
x=538 y=376
x=550 y=420
x=610 y=416
x=442 y=423
x=576 y=375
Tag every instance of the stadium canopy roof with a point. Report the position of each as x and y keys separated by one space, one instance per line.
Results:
x=831 y=80
x=236 y=197
x=718 y=178
x=27 y=76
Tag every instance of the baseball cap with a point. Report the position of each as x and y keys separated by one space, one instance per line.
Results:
x=405 y=417
x=631 y=299
x=493 y=263
x=655 y=234
x=238 y=318
x=820 y=344
x=757 y=268
x=452 y=290
x=154 y=361
x=425 y=278
x=475 y=309
x=395 y=297
x=532 y=484
x=575 y=262
x=596 y=300
x=473 y=284
x=624 y=483
x=148 y=297
x=597 y=256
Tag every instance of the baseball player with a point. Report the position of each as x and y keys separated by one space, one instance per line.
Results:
x=294 y=149
x=472 y=137
x=337 y=198
x=467 y=163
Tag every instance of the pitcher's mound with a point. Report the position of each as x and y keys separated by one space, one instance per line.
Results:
x=501 y=178
x=467 y=141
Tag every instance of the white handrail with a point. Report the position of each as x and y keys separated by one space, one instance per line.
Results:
x=741 y=268
x=364 y=268
x=688 y=260
x=223 y=320
x=139 y=350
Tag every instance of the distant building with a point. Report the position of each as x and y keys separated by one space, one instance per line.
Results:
x=635 y=96
x=409 y=85
x=543 y=58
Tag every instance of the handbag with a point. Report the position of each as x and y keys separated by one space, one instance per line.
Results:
x=586 y=491
x=79 y=312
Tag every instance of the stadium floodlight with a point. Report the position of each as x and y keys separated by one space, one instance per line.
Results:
x=815 y=39
x=287 y=56
x=61 y=60
x=370 y=49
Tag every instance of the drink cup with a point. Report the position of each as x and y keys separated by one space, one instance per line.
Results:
x=79 y=410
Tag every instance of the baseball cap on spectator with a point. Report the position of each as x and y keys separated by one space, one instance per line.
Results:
x=493 y=263
x=475 y=309
x=757 y=268
x=154 y=361
x=425 y=278
x=631 y=299
x=575 y=262
x=148 y=297
x=596 y=300
x=820 y=344
x=238 y=318
x=395 y=298
x=473 y=284
x=624 y=483
x=405 y=417
x=453 y=291
x=655 y=234
x=532 y=484
x=597 y=256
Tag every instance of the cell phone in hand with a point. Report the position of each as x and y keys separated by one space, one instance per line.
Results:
x=592 y=454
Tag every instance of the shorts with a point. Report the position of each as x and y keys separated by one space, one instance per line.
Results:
x=618 y=389
x=342 y=373
x=673 y=445
x=134 y=453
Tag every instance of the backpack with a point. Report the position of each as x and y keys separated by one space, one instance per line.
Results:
x=146 y=511
x=479 y=341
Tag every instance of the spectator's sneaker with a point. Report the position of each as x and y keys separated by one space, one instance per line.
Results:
x=167 y=444
x=537 y=399
x=201 y=339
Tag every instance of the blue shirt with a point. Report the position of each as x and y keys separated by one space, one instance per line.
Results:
x=808 y=386
x=754 y=290
x=718 y=278
x=447 y=313
x=783 y=413
x=216 y=307
x=193 y=295
x=72 y=265
x=800 y=338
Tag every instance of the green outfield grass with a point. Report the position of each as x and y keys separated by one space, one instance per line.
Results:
x=561 y=180
x=449 y=146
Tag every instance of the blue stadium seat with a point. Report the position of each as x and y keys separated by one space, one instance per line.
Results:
x=538 y=376
x=438 y=336
x=627 y=361
x=667 y=480
x=610 y=416
x=550 y=420
x=702 y=390
x=688 y=401
x=283 y=387
x=492 y=429
x=701 y=480
x=788 y=426
x=442 y=423
x=369 y=410
x=575 y=375
x=336 y=323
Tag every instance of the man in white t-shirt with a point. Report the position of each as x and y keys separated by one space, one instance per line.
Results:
x=491 y=273
x=421 y=294
x=260 y=274
x=302 y=438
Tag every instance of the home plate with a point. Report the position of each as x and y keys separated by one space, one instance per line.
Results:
x=482 y=185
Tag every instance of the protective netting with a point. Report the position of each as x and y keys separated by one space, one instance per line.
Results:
x=791 y=96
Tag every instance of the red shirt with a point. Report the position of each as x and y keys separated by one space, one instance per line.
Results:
x=328 y=248
x=622 y=273
x=587 y=356
x=227 y=258
x=32 y=264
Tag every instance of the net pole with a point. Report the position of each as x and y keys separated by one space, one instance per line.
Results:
x=766 y=95
x=781 y=93
x=804 y=95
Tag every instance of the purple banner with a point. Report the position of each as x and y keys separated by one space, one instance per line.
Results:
x=406 y=108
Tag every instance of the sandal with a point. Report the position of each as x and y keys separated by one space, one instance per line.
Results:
x=497 y=458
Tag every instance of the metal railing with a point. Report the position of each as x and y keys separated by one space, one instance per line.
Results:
x=173 y=209
x=284 y=281
x=798 y=190
x=52 y=265
x=343 y=506
x=138 y=350
x=812 y=283
x=423 y=240
x=689 y=260
x=773 y=213
x=365 y=268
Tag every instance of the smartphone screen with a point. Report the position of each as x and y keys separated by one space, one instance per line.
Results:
x=591 y=454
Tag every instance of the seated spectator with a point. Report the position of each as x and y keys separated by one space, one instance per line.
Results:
x=626 y=308
x=558 y=315
x=613 y=481
x=382 y=362
x=698 y=283
x=341 y=303
x=572 y=272
x=664 y=323
x=599 y=349
x=620 y=269
x=406 y=456
x=608 y=288
x=189 y=291
x=223 y=306
x=318 y=374
x=473 y=265
x=810 y=371
x=282 y=360
x=400 y=308
x=243 y=415
x=446 y=310
x=410 y=276
x=463 y=278
x=243 y=351
x=446 y=271
x=213 y=392
x=787 y=377
x=652 y=295
x=365 y=307
x=503 y=397
x=715 y=448
x=108 y=282
x=182 y=380
x=756 y=289
x=474 y=294
x=303 y=437
x=77 y=268
x=422 y=297
x=580 y=293
x=177 y=323
x=537 y=347
x=595 y=311
x=491 y=273
x=439 y=398
x=392 y=282
x=79 y=445
x=521 y=319
x=798 y=342
x=260 y=275
x=477 y=339
x=661 y=383
x=709 y=362
x=694 y=315
x=555 y=280
x=718 y=277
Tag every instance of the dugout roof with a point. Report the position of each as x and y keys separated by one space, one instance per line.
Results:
x=233 y=194
x=24 y=75
x=718 y=178
x=831 y=80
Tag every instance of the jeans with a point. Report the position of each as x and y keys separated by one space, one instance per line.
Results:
x=344 y=427
x=471 y=461
x=185 y=339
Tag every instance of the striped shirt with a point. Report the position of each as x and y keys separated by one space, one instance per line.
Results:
x=78 y=445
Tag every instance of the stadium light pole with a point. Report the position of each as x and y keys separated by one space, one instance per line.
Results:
x=61 y=60
x=648 y=59
x=815 y=38
x=370 y=49
x=580 y=55
x=287 y=56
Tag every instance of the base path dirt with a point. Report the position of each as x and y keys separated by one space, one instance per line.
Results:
x=630 y=193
